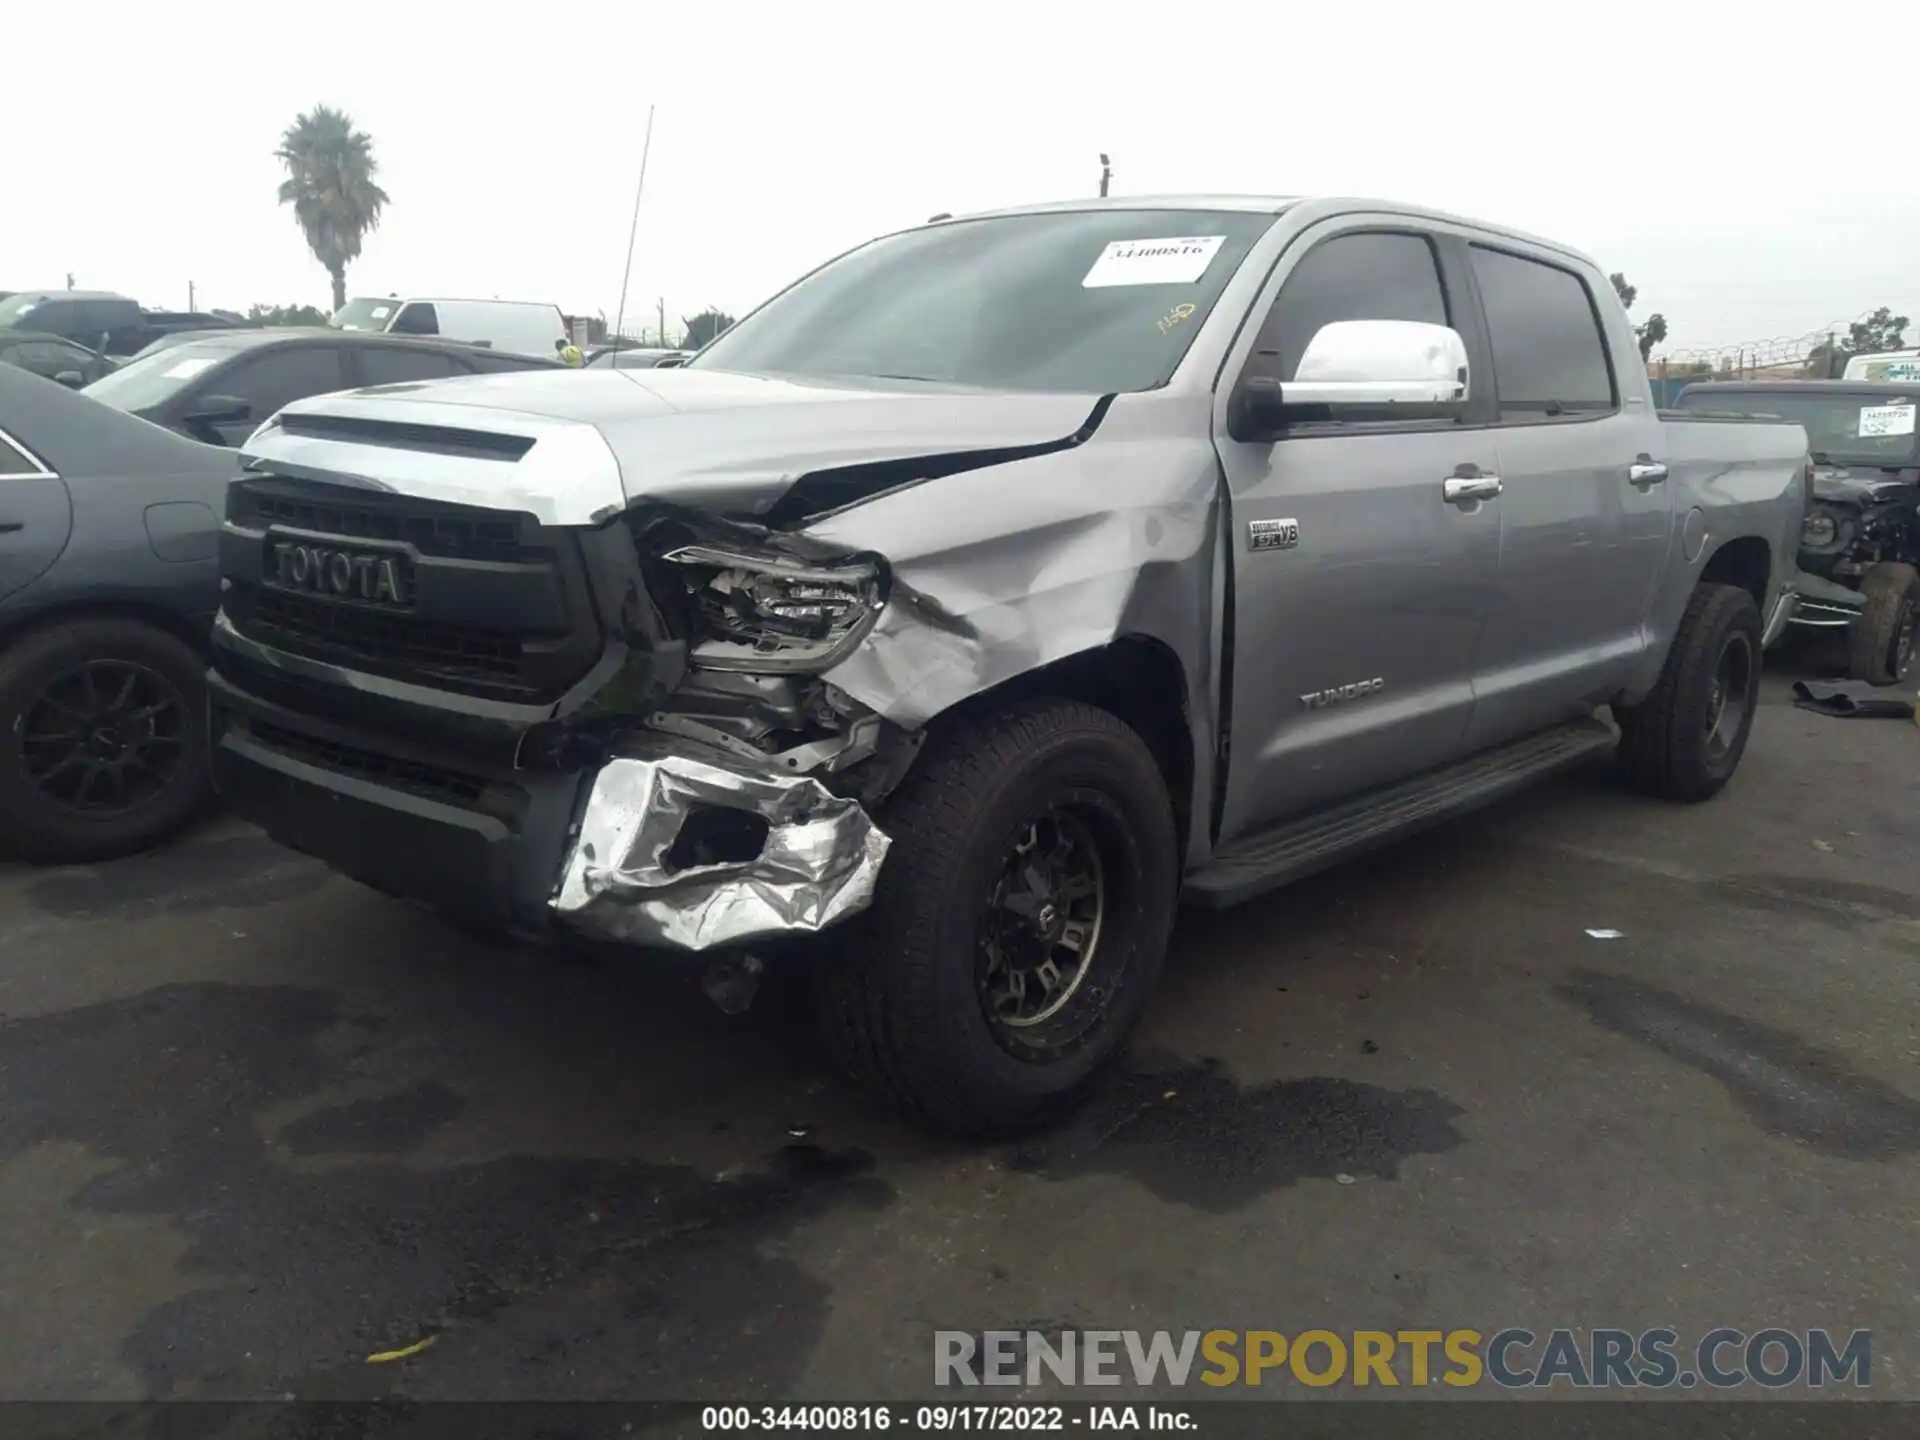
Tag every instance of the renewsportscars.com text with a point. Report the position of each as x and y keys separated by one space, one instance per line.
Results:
x=1721 y=1359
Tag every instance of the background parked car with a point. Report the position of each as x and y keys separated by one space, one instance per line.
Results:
x=100 y=319
x=1862 y=527
x=519 y=326
x=218 y=388
x=53 y=356
x=109 y=529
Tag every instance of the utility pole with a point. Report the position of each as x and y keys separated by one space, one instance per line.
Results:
x=1106 y=174
x=663 y=322
x=190 y=305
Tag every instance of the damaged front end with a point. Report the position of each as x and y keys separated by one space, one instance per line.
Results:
x=656 y=699
x=731 y=804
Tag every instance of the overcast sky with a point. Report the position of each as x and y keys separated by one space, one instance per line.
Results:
x=1693 y=147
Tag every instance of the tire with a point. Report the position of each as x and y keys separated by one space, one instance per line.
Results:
x=1685 y=740
x=147 y=760
x=1880 y=643
x=905 y=1000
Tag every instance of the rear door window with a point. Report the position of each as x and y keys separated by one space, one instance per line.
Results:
x=1549 y=352
x=15 y=461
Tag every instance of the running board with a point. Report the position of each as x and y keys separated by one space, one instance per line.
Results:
x=1277 y=857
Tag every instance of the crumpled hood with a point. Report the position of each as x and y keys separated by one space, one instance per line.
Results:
x=1862 y=484
x=576 y=447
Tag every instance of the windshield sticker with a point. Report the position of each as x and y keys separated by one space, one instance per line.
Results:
x=1175 y=316
x=187 y=369
x=1876 y=420
x=1176 y=260
x=380 y=312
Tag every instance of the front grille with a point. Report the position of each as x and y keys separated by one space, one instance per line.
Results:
x=444 y=532
x=395 y=642
x=429 y=781
x=494 y=604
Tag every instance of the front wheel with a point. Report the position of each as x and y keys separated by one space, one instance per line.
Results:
x=1880 y=643
x=1020 y=922
x=1685 y=740
x=104 y=747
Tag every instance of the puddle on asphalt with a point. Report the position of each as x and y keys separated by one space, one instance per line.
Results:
x=232 y=872
x=542 y=1276
x=1192 y=1135
x=1788 y=1087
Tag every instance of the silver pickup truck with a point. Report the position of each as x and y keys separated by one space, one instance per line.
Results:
x=985 y=593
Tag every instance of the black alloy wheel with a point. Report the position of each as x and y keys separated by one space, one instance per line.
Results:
x=1039 y=936
x=1730 y=697
x=105 y=737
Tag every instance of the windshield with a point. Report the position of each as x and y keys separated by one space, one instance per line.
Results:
x=1861 y=428
x=365 y=314
x=153 y=379
x=15 y=308
x=1092 y=301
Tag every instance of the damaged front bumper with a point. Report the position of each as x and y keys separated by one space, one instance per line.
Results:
x=663 y=844
x=695 y=853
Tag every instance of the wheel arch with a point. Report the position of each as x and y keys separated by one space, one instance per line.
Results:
x=1745 y=561
x=1135 y=678
x=190 y=631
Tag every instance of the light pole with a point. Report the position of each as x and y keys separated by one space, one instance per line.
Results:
x=1106 y=174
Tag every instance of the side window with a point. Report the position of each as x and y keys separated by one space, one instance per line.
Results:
x=15 y=461
x=278 y=377
x=1549 y=354
x=416 y=319
x=45 y=358
x=395 y=365
x=1369 y=275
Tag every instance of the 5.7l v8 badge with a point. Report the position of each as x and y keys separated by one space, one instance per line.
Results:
x=1272 y=534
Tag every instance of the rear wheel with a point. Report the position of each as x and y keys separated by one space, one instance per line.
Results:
x=103 y=750
x=1880 y=643
x=1685 y=740
x=1020 y=923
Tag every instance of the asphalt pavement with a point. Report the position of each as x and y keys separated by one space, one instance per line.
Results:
x=258 y=1124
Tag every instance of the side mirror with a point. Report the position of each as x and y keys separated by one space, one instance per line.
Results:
x=1377 y=366
x=72 y=379
x=216 y=410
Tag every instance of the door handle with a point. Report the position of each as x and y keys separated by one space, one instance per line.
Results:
x=1461 y=489
x=10 y=527
x=1646 y=472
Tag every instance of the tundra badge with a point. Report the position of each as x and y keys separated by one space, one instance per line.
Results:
x=1272 y=534
x=1320 y=699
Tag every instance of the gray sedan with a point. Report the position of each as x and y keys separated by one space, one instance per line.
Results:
x=108 y=586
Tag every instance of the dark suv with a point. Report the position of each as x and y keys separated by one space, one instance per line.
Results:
x=220 y=387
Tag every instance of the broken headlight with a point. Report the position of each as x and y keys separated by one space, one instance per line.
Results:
x=1824 y=531
x=764 y=612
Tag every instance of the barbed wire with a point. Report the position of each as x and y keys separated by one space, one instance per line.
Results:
x=1773 y=350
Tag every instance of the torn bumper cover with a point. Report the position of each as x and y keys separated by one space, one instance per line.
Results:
x=804 y=859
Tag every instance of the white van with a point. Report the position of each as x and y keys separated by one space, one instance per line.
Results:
x=1888 y=365
x=519 y=327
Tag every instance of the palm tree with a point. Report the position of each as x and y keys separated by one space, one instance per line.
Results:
x=330 y=169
